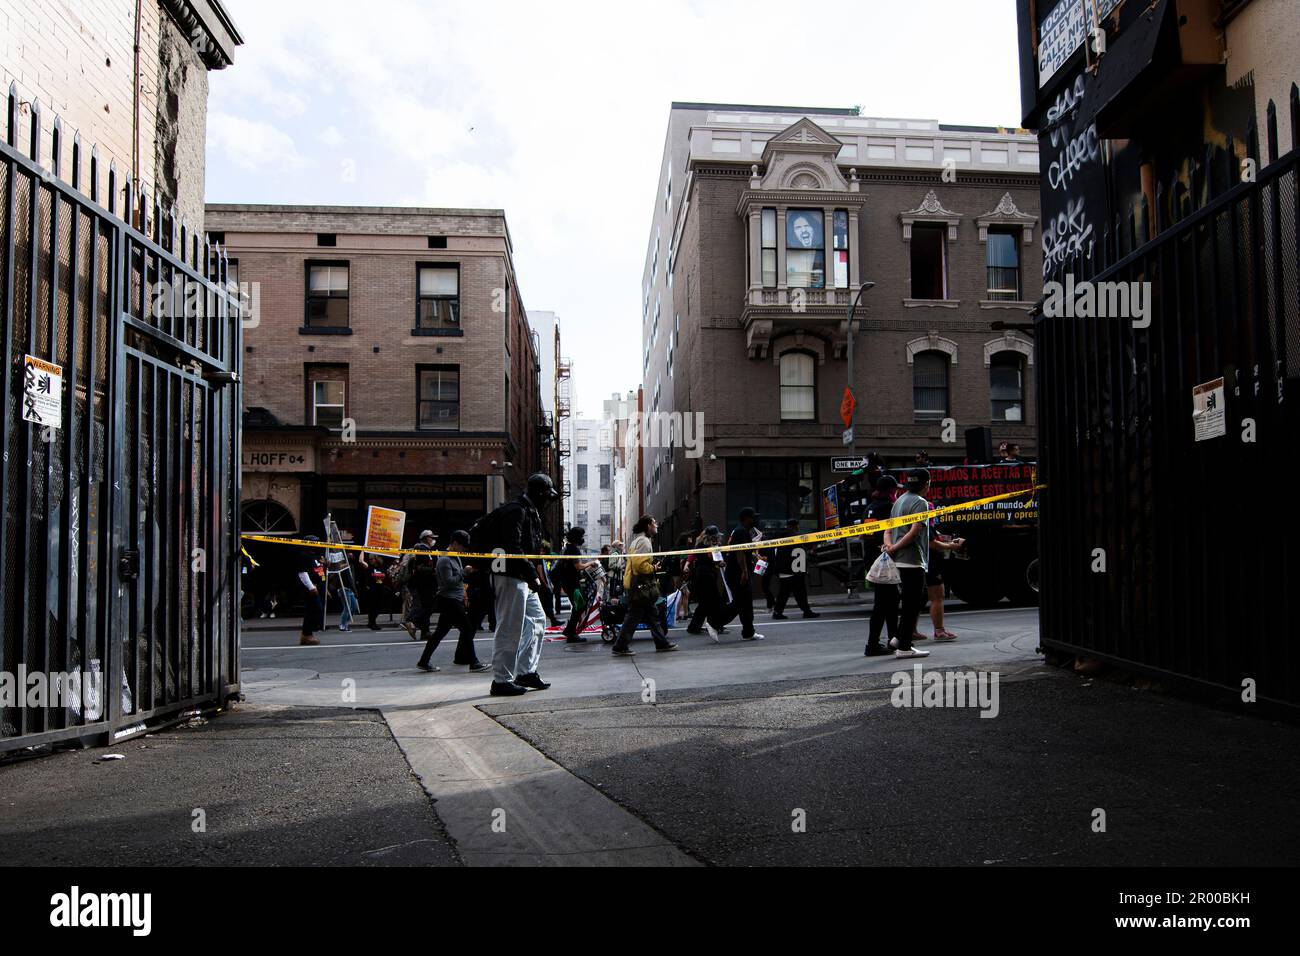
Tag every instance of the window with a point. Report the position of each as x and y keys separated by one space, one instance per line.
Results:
x=929 y=261
x=438 y=398
x=1007 y=385
x=438 y=292
x=604 y=477
x=329 y=398
x=1004 y=264
x=805 y=249
x=582 y=477
x=584 y=438
x=605 y=512
x=327 y=295
x=798 y=387
x=769 y=249
x=840 y=260
x=930 y=384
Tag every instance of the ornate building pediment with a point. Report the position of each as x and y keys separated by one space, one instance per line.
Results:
x=801 y=158
x=930 y=210
x=1006 y=213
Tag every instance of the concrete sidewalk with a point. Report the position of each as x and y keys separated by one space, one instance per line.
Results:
x=276 y=785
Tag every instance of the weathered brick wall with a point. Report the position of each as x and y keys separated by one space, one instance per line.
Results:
x=740 y=396
x=383 y=251
x=77 y=59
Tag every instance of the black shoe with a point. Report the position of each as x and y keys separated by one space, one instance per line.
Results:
x=507 y=689
x=696 y=633
x=478 y=667
x=532 y=681
x=623 y=652
x=875 y=650
x=778 y=616
x=575 y=640
x=811 y=614
x=666 y=648
x=428 y=668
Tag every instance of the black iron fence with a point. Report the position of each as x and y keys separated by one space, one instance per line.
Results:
x=1166 y=539
x=119 y=547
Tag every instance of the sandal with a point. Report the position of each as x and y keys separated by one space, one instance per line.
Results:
x=944 y=636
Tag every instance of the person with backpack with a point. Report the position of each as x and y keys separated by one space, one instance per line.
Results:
x=402 y=578
x=516 y=528
x=451 y=600
x=568 y=576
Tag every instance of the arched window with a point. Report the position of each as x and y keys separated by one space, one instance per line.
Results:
x=930 y=385
x=1007 y=386
x=798 y=387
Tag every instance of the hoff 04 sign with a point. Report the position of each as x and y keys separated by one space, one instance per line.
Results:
x=42 y=392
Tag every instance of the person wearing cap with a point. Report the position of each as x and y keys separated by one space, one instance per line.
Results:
x=313 y=608
x=451 y=601
x=410 y=605
x=911 y=552
x=740 y=572
x=791 y=575
x=521 y=622
x=884 y=606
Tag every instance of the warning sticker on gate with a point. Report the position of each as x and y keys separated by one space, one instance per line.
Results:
x=42 y=392
x=1208 y=413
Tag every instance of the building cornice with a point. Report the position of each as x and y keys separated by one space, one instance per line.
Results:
x=210 y=29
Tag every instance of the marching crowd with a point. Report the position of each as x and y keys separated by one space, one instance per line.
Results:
x=518 y=596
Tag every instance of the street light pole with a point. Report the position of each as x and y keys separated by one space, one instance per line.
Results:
x=853 y=304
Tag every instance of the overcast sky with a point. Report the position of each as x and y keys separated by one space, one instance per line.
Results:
x=556 y=112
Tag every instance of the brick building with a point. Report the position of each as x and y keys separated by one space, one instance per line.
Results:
x=766 y=221
x=130 y=77
x=389 y=362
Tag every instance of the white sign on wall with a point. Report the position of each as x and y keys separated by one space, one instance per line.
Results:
x=42 y=392
x=1062 y=32
x=1209 y=416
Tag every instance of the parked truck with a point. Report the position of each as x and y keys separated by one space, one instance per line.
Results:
x=999 y=559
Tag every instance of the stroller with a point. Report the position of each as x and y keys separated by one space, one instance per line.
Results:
x=613 y=607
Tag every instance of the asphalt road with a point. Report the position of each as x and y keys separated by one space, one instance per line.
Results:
x=724 y=773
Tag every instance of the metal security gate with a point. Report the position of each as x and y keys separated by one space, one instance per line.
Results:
x=119 y=548
x=1198 y=554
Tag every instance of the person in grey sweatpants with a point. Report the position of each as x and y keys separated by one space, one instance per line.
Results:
x=521 y=627
x=521 y=622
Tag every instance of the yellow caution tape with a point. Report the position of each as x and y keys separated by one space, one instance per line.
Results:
x=811 y=537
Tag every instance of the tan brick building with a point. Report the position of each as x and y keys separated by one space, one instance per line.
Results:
x=766 y=222
x=130 y=77
x=389 y=362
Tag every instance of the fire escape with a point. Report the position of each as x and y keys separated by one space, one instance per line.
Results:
x=563 y=409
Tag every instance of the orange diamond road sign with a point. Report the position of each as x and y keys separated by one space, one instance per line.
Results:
x=847 y=404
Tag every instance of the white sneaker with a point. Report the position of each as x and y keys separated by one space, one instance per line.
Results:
x=753 y=637
x=893 y=643
x=262 y=615
x=713 y=632
x=912 y=652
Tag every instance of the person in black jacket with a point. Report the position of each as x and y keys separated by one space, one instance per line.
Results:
x=740 y=572
x=790 y=569
x=521 y=623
